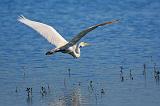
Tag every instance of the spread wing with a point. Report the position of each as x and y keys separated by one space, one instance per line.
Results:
x=84 y=32
x=45 y=30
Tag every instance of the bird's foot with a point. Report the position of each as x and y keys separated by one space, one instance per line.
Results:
x=49 y=53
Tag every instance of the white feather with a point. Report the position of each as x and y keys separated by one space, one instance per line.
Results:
x=46 y=31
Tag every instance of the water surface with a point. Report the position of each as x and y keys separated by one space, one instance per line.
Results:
x=132 y=42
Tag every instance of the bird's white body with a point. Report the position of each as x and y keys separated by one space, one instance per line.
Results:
x=56 y=39
x=74 y=51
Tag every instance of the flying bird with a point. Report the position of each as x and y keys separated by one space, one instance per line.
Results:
x=71 y=47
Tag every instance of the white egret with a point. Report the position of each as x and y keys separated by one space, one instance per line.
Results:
x=56 y=39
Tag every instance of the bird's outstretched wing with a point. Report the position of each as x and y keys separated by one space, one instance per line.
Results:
x=45 y=30
x=84 y=32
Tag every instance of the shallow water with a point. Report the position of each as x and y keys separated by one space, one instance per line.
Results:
x=132 y=42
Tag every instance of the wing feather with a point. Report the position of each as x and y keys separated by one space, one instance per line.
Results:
x=84 y=32
x=46 y=31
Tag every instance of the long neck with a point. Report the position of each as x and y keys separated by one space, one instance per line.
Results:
x=77 y=49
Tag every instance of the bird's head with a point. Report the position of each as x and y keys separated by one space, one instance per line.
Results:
x=82 y=44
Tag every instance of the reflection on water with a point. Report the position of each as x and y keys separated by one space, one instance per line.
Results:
x=72 y=98
x=93 y=92
x=29 y=100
